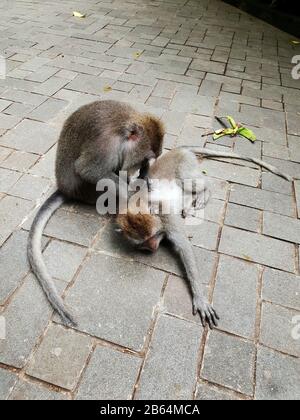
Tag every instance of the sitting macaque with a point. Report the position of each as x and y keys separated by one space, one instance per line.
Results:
x=97 y=142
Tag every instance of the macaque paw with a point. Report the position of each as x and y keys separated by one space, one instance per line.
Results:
x=206 y=312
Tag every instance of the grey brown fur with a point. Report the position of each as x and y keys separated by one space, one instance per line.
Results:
x=96 y=142
x=146 y=231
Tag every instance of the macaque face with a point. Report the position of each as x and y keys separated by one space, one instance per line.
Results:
x=143 y=231
x=151 y=244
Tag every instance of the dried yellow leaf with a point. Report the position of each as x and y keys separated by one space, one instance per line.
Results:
x=107 y=88
x=137 y=54
x=246 y=257
x=79 y=15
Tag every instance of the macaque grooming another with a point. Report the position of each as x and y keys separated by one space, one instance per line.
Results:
x=97 y=142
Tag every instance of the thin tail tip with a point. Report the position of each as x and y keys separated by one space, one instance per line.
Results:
x=68 y=320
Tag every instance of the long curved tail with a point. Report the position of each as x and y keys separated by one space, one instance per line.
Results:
x=35 y=256
x=200 y=151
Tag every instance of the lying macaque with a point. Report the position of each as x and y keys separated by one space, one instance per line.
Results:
x=146 y=230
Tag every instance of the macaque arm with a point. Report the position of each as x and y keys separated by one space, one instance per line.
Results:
x=91 y=170
x=185 y=250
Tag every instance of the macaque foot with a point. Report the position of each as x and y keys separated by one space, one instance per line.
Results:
x=206 y=312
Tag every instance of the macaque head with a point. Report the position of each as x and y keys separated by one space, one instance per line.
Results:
x=144 y=231
x=143 y=139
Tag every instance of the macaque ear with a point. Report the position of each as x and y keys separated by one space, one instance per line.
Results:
x=135 y=132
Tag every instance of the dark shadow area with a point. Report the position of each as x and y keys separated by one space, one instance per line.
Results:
x=284 y=14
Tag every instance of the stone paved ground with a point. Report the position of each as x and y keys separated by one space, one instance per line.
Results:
x=184 y=60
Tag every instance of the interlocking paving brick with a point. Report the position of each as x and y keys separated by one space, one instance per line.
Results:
x=242 y=99
x=27 y=137
x=210 y=88
x=277 y=376
x=293 y=124
x=289 y=167
x=133 y=291
x=262 y=117
x=12 y=212
x=219 y=188
x=63 y=259
x=207 y=392
x=23 y=97
x=30 y=391
x=46 y=165
x=195 y=104
x=258 y=248
x=109 y=375
x=26 y=318
x=60 y=357
x=89 y=84
x=190 y=136
x=30 y=187
x=281 y=227
x=13 y=264
x=7 y=382
x=233 y=366
x=246 y=148
x=276 y=151
x=8 y=121
x=281 y=288
x=42 y=74
x=178 y=298
x=173 y=121
x=51 y=86
x=214 y=210
x=243 y=217
x=164 y=89
x=208 y=66
x=4 y=104
x=19 y=110
x=20 y=161
x=235 y=296
x=170 y=367
x=232 y=173
x=277 y=329
x=34 y=63
x=272 y=182
x=48 y=110
x=262 y=199
x=72 y=227
x=294 y=148
x=4 y=153
x=8 y=179
x=204 y=235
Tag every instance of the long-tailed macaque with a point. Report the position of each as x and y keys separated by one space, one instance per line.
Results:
x=96 y=142
x=145 y=230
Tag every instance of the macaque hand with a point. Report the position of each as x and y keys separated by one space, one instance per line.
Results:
x=206 y=312
x=149 y=183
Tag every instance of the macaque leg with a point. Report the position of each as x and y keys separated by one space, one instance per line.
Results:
x=184 y=248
